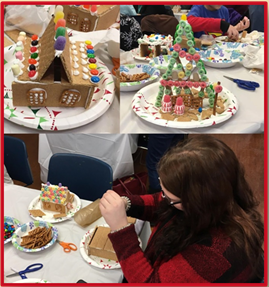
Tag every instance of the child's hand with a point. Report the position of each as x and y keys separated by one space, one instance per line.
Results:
x=242 y=25
x=232 y=33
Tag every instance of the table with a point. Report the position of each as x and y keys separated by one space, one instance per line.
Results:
x=106 y=123
x=248 y=119
x=114 y=149
x=59 y=267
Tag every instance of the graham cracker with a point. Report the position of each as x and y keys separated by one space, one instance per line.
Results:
x=59 y=215
x=37 y=212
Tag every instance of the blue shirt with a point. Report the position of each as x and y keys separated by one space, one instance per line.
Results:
x=201 y=11
x=128 y=10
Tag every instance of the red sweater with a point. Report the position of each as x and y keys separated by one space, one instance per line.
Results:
x=211 y=261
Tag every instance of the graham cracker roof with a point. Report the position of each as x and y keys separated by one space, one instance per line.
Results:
x=47 y=52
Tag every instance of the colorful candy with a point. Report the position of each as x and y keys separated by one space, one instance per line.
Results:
x=179 y=107
x=60 y=43
x=8 y=230
x=166 y=104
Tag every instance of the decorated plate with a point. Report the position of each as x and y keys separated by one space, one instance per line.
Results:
x=11 y=221
x=230 y=46
x=32 y=280
x=221 y=58
x=143 y=105
x=99 y=262
x=254 y=38
x=138 y=69
x=57 y=118
x=25 y=228
x=36 y=204
x=136 y=55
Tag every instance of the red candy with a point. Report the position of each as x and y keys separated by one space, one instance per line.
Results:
x=34 y=37
x=92 y=61
x=33 y=49
x=94 y=72
x=32 y=61
x=89 y=47
x=167 y=99
x=32 y=74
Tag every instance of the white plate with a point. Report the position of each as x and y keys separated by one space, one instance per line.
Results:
x=143 y=105
x=12 y=221
x=138 y=69
x=99 y=262
x=36 y=204
x=254 y=38
x=136 y=55
x=25 y=228
x=32 y=280
x=221 y=58
x=57 y=118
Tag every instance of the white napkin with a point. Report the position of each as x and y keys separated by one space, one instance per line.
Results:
x=254 y=57
x=126 y=58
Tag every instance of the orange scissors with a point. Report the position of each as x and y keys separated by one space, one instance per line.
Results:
x=67 y=246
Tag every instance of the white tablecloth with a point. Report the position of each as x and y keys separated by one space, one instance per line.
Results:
x=58 y=266
x=248 y=119
x=114 y=149
x=106 y=123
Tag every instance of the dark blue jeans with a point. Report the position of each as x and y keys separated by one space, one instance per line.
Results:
x=158 y=144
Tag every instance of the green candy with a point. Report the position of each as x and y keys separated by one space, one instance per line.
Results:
x=18 y=49
x=189 y=35
x=161 y=88
x=178 y=40
x=169 y=72
x=190 y=43
x=90 y=55
x=208 y=90
x=178 y=90
x=211 y=101
x=192 y=51
x=187 y=73
x=167 y=91
x=200 y=64
x=204 y=78
x=170 y=66
x=180 y=32
x=201 y=94
x=158 y=104
x=174 y=55
x=60 y=32
x=188 y=28
x=179 y=66
x=176 y=34
x=201 y=72
x=187 y=91
x=165 y=76
x=182 y=23
x=211 y=95
x=34 y=56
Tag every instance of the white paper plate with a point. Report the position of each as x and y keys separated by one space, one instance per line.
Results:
x=12 y=221
x=143 y=105
x=57 y=118
x=234 y=46
x=221 y=58
x=254 y=38
x=36 y=204
x=136 y=55
x=25 y=228
x=138 y=69
x=99 y=262
x=32 y=280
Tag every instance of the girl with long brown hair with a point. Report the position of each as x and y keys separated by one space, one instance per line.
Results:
x=207 y=226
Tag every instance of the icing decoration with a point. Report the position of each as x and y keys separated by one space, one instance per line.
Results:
x=84 y=56
x=81 y=49
x=85 y=77
x=85 y=70
x=73 y=47
x=74 y=52
x=76 y=73
x=75 y=59
x=83 y=62
x=76 y=65
x=72 y=42
x=60 y=43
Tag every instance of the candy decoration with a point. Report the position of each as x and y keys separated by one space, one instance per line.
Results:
x=87 y=7
x=16 y=70
x=92 y=66
x=182 y=54
x=176 y=47
x=90 y=55
x=60 y=23
x=90 y=51
x=32 y=61
x=200 y=109
x=203 y=85
x=218 y=89
x=8 y=230
x=88 y=42
x=33 y=50
x=60 y=43
x=58 y=15
x=34 y=56
x=196 y=57
x=166 y=104
x=94 y=8
x=32 y=67
x=188 y=57
x=19 y=55
x=189 y=66
x=32 y=75
x=89 y=46
x=34 y=37
x=58 y=8
x=189 y=84
x=60 y=32
x=34 y=43
x=94 y=72
x=179 y=107
x=95 y=79
x=181 y=74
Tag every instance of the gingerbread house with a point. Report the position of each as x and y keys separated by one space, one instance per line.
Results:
x=56 y=198
x=185 y=84
x=54 y=71
x=87 y=18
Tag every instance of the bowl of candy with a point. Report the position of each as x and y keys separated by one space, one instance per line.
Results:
x=10 y=226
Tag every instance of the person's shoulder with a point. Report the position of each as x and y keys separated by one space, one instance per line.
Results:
x=196 y=10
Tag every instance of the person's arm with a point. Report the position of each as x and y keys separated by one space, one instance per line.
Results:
x=199 y=24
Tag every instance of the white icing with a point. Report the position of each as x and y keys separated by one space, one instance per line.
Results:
x=74 y=52
x=72 y=41
x=75 y=59
x=58 y=53
x=85 y=70
x=31 y=99
x=76 y=65
x=73 y=47
x=18 y=62
x=81 y=49
x=81 y=45
x=37 y=59
x=95 y=24
x=38 y=45
x=83 y=62
x=83 y=56
x=28 y=69
x=76 y=73
x=85 y=77
x=37 y=51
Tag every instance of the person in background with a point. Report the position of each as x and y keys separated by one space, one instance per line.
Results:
x=214 y=20
x=256 y=13
x=158 y=144
x=153 y=9
x=128 y=10
x=208 y=230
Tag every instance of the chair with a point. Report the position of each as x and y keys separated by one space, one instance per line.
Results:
x=16 y=160
x=159 y=24
x=89 y=178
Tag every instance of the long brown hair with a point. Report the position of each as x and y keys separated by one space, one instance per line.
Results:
x=207 y=176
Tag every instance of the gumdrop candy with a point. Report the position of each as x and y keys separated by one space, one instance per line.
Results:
x=60 y=32
x=58 y=15
x=60 y=23
x=60 y=43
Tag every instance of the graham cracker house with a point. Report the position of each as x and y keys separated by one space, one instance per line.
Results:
x=81 y=19
x=55 y=77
